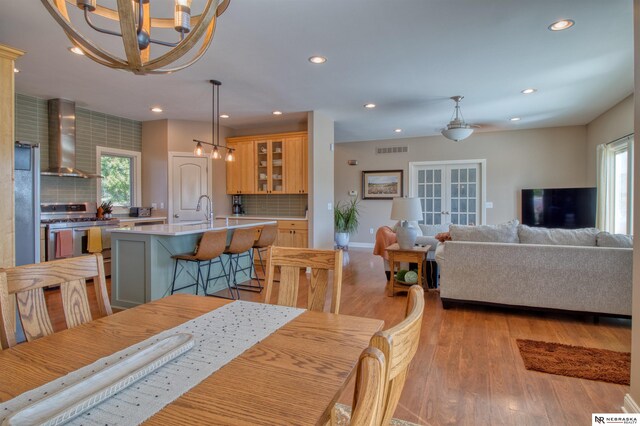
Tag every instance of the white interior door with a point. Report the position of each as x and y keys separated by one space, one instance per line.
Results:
x=448 y=192
x=190 y=180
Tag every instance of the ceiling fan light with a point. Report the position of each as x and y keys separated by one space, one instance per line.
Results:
x=457 y=133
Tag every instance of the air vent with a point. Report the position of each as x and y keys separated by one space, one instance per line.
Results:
x=392 y=149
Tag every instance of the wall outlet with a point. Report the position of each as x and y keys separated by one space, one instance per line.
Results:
x=329 y=206
x=489 y=204
x=162 y=205
x=154 y=205
x=371 y=231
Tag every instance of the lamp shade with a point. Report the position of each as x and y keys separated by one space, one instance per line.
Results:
x=406 y=209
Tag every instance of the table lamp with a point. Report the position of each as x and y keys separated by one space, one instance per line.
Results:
x=406 y=209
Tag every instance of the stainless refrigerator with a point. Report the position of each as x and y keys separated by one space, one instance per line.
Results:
x=27 y=209
x=27 y=203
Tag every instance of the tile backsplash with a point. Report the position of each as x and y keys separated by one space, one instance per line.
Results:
x=92 y=129
x=275 y=204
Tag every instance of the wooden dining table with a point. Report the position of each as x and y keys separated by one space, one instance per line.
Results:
x=294 y=376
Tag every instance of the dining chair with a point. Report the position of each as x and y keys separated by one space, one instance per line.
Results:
x=399 y=345
x=291 y=260
x=24 y=285
x=367 y=400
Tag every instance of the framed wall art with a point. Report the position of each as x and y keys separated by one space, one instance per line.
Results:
x=382 y=184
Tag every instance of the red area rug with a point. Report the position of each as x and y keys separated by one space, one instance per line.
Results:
x=576 y=361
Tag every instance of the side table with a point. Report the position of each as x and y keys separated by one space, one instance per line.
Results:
x=397 y=255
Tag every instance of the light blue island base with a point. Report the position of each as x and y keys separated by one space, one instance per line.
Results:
x=142 y=267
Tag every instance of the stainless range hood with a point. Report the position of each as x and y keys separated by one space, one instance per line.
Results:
x=62 y=141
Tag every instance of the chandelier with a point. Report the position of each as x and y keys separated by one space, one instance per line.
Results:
x=135 y=29
x=457 y=129
x=215 y=131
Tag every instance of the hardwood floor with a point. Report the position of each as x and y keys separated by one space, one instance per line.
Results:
x=468 y=370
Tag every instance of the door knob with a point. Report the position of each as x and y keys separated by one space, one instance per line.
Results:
x=176 y=215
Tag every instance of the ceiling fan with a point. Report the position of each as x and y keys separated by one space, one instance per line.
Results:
x=458 y=129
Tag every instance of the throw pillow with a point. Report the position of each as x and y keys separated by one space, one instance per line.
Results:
x=503 y=233
x=605 y=239
x=558 y=237
x=443 y=236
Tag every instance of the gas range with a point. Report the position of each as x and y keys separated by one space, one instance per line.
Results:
x=72 y=215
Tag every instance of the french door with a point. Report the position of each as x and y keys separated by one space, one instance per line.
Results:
x=448 y=192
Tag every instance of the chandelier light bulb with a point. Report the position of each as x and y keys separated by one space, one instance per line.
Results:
x=215 y=153
x=230 y=157
x=199 y=150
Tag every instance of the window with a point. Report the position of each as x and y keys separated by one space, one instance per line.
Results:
x=120 y=183
x=615 y=186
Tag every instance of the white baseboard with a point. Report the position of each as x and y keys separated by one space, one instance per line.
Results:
x=630 y=406
x=361 y=245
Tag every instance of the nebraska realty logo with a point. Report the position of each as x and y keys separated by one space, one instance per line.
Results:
x=615 y=419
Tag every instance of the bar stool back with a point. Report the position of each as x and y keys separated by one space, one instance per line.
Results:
x=267 y=238
x=241 y=246
x=208 y=252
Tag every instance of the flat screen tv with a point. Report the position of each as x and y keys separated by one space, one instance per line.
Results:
x=567 y=208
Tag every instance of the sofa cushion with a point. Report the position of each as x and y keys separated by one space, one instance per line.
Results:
x=559 y=237
x=605 y=239
x=503 y=233
x=425 y=240
x=434 y=229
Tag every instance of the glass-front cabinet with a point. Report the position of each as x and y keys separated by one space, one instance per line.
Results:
x=269 y=161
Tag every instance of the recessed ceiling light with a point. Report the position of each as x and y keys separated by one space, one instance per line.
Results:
x=398 y=130
x=277 y=112
x=76 y=50
x=317 y=59
x=16 y=70
x=156 y=109
x=224 y=115
x=370 y=106
x=562 y=24
x=528 y=91
x=515 y=119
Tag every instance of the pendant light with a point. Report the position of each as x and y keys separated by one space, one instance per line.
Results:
x=215 y=130
x=132 y=21
x=457 y=129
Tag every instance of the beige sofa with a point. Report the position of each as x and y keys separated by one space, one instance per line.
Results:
x=534 y=268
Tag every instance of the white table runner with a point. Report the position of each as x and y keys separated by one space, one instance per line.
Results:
x=220 y=336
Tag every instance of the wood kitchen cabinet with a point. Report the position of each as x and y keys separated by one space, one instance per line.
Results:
x=293 y=233
x=296 y=164
x=241 y=172
x=269 y=164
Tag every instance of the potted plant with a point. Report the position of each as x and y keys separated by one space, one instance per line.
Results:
x=107 y=209
x=346 y=221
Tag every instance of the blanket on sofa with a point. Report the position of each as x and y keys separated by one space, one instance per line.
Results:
x=384 y=238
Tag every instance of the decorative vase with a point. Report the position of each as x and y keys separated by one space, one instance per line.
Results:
x=342 y=239
x=99 y=213
x=406 y=236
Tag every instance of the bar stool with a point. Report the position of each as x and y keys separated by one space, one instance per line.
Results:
x=267 y=238
x=208 y=252
x=239 y=248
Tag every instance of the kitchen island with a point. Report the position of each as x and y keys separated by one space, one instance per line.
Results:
x=142 y=267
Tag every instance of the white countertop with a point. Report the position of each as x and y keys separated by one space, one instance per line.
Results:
x=272 y=217
x=129 y=219
x=181 y=229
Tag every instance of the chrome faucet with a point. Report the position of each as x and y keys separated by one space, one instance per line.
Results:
x=209 y=214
